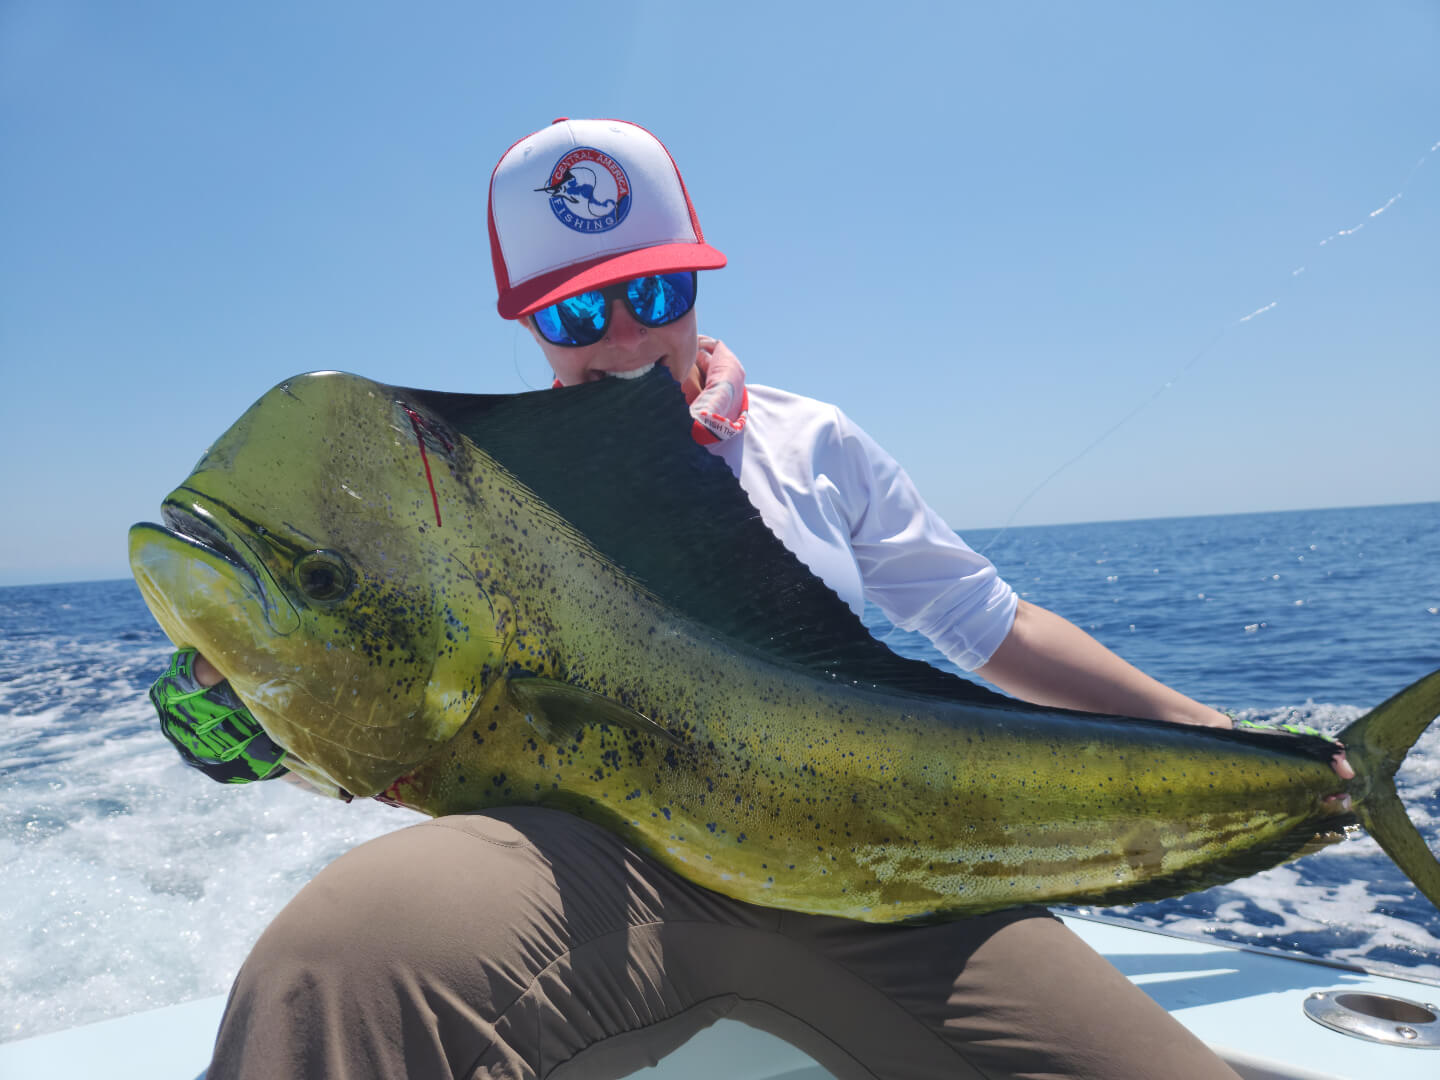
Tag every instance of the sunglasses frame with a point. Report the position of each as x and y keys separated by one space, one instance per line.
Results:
x=612 y=293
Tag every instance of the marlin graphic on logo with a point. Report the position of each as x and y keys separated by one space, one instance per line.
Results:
x=569 y=188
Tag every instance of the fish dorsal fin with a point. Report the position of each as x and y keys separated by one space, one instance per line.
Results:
x=616 y=459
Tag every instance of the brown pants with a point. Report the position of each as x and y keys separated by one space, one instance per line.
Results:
x=526 y=943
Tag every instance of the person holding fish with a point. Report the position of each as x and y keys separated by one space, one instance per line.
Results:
x=526 y=941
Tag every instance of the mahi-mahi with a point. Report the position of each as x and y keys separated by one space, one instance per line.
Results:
x=455 y=602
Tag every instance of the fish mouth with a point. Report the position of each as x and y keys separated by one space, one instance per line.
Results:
x=188 y=524
x=204 y=536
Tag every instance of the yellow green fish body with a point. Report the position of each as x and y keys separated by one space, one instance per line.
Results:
x=455 y=603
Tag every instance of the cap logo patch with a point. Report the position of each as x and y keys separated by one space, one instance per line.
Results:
x=588 y=191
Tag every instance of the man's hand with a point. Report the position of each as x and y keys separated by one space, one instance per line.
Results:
x=205 y=673
x=210 y=726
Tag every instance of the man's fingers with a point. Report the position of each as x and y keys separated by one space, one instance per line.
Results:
x=205 y=673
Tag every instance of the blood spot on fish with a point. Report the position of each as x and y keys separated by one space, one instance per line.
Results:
x=421 y=427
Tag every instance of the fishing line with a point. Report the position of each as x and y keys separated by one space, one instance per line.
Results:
x=1145 y=403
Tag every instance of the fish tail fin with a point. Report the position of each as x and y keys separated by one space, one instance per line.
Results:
x=1376 y=744
x=1383 y=815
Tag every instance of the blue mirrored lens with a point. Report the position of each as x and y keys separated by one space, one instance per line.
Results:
x=655 y=300
x=576 y=320
x=661 y=298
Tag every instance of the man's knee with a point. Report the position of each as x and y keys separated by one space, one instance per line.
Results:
x=451 y=900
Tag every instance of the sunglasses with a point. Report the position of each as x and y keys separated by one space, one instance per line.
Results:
x=654 y=300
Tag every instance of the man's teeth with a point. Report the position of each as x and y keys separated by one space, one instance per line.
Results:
x=633 y=374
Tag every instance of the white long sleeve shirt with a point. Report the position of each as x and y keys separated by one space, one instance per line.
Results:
x=846 y=509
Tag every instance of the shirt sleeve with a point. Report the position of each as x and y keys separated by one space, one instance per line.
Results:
x=912 y=565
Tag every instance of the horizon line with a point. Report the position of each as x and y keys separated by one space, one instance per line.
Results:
x=15 y=579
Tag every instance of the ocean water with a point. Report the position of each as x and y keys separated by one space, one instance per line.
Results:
x=134 y=882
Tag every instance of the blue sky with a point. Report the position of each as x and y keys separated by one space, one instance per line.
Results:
x=988 y=232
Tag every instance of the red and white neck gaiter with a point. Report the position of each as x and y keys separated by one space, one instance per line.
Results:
x=721 y=404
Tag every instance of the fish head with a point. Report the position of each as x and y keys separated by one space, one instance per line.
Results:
x=322 y=556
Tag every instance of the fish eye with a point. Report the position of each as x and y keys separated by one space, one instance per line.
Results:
x=323 y=575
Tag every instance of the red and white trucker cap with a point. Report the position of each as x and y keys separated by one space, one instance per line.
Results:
x=586 y=203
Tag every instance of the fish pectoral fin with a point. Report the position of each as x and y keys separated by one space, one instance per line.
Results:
x=559 y=710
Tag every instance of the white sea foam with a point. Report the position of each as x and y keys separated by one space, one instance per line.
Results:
x=134 y=882
x=132 y=908
x=1296 y=909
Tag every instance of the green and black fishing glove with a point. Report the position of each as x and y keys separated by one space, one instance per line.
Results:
x=212 y=728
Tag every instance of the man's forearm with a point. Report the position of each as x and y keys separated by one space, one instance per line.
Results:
x=1048 y=660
